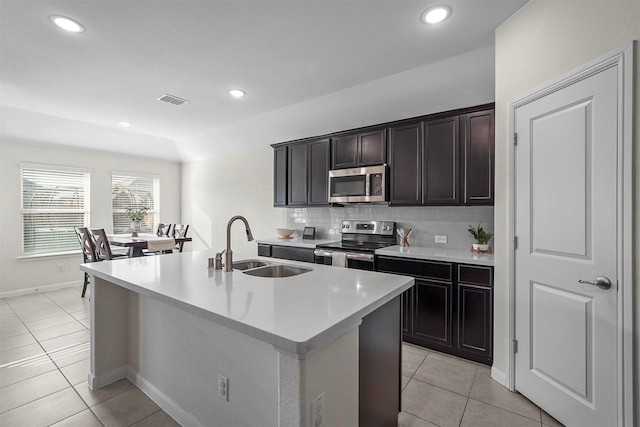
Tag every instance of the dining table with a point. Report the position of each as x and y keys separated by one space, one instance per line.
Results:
x=149 y=241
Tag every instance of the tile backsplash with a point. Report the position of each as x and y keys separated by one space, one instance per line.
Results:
x=427 y=222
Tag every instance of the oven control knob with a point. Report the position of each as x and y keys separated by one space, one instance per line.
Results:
x=346 y=226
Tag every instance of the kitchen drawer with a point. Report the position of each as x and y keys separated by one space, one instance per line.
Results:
x=416 y=268
x=293 y=253
x=475 y=275
x=264 y=250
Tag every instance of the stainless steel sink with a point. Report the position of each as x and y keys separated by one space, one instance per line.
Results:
x=248 y=264
x=277 y=270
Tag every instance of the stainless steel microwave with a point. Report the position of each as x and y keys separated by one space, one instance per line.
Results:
x=358 y=185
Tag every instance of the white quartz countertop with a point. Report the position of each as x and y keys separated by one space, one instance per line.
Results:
x=438 y=254
x=294 y=314
x=300 y=243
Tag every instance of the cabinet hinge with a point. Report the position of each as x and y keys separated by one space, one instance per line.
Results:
x=515 y=139
x=515 y=242
x=515 y=346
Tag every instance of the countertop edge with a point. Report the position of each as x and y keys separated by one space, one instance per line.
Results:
x=280 y=343
x=398 y=252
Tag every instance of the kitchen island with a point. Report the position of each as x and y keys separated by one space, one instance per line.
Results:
x=216 y=348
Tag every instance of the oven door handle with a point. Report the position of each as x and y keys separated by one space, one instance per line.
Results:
x=322 y=252
x=360 y=257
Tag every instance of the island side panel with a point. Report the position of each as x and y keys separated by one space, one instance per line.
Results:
x=179 y=356
x=109 y=333
x=331 y=371
x=380 y=365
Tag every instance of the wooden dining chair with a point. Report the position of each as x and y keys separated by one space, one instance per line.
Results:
x=103 y=248
x=180 y=230
x=163 y=230
x=88 y=251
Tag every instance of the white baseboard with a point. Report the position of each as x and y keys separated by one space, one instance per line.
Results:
x=107 y=378
x=46 y=288
x=499 y=376
x=163 y=401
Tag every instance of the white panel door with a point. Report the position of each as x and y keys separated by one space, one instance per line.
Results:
x=566 y=225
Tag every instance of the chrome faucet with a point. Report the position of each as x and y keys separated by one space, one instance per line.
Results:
x=229 y=254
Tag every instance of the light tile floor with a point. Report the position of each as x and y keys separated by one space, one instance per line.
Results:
x=44 y=361
x=442 y=390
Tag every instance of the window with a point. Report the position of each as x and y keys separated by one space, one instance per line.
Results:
x=54 y=200
x=128 y=191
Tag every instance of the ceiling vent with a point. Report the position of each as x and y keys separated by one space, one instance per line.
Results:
x=172 y=99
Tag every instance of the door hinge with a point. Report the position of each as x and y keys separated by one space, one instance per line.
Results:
x=515 y=242
x=515 y=139
x=515 y=346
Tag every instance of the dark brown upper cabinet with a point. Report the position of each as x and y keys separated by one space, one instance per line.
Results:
x=301 y=173
x=360 y=149
x=373 y=148
x=280 y=176
x=405 y=164
x=297 y=176
x=443 y=159
x=345 y=152
x=319 y=159
x=478 y=157
x=441 y=162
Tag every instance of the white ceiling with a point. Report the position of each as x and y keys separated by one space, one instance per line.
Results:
x=73 y=89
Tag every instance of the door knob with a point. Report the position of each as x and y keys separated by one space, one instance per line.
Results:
x=601 y=282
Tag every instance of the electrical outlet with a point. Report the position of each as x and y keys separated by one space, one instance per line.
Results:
x=317 y=411
x=441 y=239
x=223 y=387
x=60 y=268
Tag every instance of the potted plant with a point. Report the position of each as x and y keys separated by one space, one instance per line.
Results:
x=136 y=215
x=482 y=238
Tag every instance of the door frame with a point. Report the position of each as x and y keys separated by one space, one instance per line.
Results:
x=622 y=58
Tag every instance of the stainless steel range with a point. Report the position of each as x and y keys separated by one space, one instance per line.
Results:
x=360 y=239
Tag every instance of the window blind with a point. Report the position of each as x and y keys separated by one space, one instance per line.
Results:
x=137 y=192
x=54 y=201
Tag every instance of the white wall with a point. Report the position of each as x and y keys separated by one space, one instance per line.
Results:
x=216 y=189
x=540 y=43
x=21 y=275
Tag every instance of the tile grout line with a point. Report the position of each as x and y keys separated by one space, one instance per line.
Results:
x=468 y=397
x=72 y=386
x=477 y=365
x=410 y=379
x=58 y=368
x=29 y=332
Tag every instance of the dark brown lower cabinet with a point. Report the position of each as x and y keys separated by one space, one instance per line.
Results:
x=450 y=307
x=474 y=320
x=432 y=314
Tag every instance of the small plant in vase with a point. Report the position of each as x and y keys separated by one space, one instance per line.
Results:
x=482 y=238
x=136 y=215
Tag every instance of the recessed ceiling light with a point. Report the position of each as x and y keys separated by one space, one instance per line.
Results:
x=236 y=93
x=124 y=124
x=67 y=24
x=436 y=14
